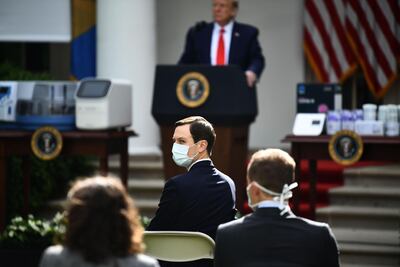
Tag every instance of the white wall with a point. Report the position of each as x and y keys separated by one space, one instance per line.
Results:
x=35 y=20
x=280 y=25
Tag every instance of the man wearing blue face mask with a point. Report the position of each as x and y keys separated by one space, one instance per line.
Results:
x=200 y=199
x=272 y=235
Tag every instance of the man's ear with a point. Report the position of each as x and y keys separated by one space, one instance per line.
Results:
x=256 y=191
x=203 y=145
x=234 y=13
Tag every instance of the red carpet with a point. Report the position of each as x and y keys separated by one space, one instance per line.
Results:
x=329 y=175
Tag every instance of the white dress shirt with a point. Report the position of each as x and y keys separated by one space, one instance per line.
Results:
x=227 y=41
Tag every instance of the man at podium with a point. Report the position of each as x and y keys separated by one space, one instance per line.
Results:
x=224 y=42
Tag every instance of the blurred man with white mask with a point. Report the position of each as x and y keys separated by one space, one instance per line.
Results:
x=272 y=235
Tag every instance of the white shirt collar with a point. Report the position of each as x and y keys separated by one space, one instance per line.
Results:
x=228 y=27
x=268 y=204
x=227 y=41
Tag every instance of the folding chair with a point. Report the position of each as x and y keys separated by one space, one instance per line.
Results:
x=177 y=246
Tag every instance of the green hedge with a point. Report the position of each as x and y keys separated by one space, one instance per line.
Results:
x=31 y=232
x=48 y=180
x=9 y=71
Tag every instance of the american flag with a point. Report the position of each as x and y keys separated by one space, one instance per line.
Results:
x=340 y=35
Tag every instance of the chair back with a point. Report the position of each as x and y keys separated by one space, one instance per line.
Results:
x=178 y=246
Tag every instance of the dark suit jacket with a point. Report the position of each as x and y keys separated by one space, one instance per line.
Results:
x=265 y=238
x=198 y=200
x=245 y=49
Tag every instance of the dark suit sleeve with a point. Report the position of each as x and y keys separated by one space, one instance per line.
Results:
x=257 y=60
x=219 y=253
x=168 y=208
x=188 y=55
x=331 y=249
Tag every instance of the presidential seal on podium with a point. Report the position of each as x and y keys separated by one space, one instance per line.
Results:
x=346 y=147
x=192 y=89
x=46 y=143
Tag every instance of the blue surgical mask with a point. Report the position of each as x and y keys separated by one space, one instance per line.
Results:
x=180 y=155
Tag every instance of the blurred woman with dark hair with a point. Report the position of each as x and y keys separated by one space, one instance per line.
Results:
x=103 y=228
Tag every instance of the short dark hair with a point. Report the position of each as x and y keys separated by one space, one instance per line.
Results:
x=272 y=169
x=102 y=220
x=235 y=4
x=200 y=129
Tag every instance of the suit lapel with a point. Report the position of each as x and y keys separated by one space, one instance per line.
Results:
x=234 y=49
x=207 y=43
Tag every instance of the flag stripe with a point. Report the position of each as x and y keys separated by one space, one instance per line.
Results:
x=380 y=37
x=388 y=33
x=341 y=34
x=358 y=47
x=318 y=48
x=381 y=59
x=314 y=58
x=334 y=39
x=83 y=45
x=395 y=7
x=325 y=37
x=334 y=74
x=334 y=15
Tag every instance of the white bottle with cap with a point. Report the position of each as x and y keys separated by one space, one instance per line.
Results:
x=333 y=122
x=369 y=112
x=392 y=123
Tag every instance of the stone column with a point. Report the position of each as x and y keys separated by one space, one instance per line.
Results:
x=126 y=49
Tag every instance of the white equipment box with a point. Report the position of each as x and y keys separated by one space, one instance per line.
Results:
x=103 y=104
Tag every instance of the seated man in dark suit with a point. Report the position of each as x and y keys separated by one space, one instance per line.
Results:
x=224 y=42
x=200 y=199
x=272 y=235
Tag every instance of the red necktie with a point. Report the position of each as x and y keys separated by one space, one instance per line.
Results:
x=221 y=48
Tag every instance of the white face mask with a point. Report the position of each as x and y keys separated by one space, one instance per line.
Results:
x=252 y=205
x=282 y=197
x=180 y=155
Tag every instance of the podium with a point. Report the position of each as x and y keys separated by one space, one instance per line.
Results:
x=224 y=100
